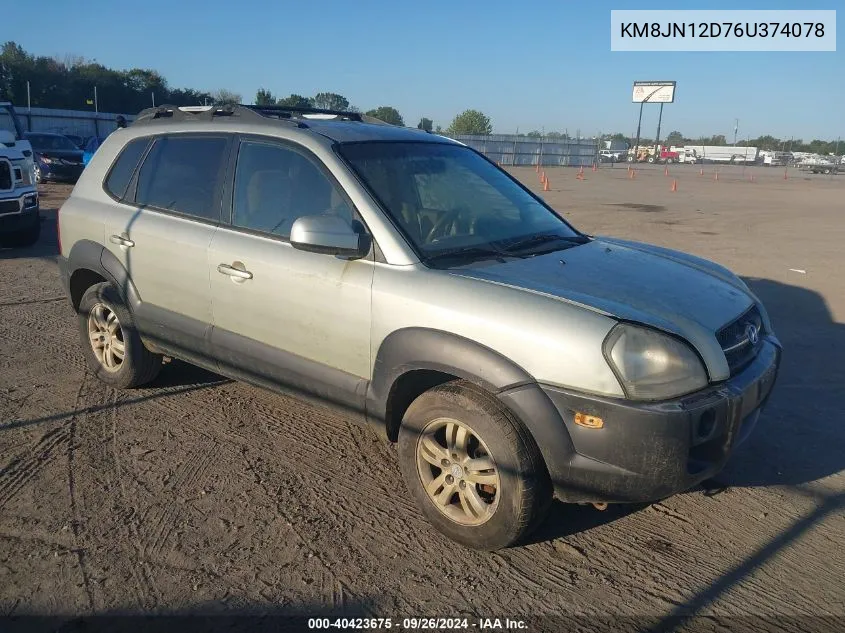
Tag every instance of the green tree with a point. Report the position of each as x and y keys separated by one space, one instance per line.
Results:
x=557 y=135
x=674 y=138
x=438 y=130
x=295 y=101
x=534 y=134
x=388 y=114
x=425 y=124
x=330 y=101
x=470 y=122
x=225 y=97
x=264 y=97
x=766 y=142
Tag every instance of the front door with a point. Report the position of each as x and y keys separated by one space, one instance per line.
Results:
x=297 y=319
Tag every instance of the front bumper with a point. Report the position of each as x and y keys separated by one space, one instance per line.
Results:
x=649 y=451
x=61 y=171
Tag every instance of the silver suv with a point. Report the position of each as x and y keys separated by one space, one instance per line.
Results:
x=404 y=278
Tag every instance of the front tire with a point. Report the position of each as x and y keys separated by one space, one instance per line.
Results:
x=111 y=343
x=473 y=469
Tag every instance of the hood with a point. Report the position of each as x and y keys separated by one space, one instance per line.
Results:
x=72 y=155
x=633 y=282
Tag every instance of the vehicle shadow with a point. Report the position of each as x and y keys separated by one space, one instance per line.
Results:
x=203 y=617
x=177 y=373
x=800 y=437
x=47 y=245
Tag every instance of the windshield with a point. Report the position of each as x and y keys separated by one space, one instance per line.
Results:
x=447 y=198
x=50 y=141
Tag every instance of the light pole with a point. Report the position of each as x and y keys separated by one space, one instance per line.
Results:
x=736 y=129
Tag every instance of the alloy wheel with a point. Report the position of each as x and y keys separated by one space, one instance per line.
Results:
x=457 y=472
x=106 y=337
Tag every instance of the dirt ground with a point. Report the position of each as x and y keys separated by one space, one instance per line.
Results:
x=202 y=495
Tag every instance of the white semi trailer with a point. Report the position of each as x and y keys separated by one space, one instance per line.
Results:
x=722 y=153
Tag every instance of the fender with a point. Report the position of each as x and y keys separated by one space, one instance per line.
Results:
x=412 y=349
x=87 y=254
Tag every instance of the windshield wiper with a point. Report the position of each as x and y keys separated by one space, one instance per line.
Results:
x=471 y=252
x=545 y=238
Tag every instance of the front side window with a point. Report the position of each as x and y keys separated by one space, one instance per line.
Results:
x=448 y=199
x=181 y=173
x=275 y=185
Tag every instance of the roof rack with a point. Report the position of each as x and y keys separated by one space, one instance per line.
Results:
x=296 y=115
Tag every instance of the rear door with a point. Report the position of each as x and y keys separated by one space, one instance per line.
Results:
x=162 y=230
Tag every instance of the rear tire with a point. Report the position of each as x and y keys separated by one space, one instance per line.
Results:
x=473 y=469
x=111 y=343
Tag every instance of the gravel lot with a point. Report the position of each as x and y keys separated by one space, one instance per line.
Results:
x=202 y=495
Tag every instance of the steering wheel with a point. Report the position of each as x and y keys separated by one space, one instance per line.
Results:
x=439 y=228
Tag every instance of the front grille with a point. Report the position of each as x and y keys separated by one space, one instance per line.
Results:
x=9 y=206
x=736 y=342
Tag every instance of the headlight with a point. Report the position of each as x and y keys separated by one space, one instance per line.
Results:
x=651 y=365
x=47 y=160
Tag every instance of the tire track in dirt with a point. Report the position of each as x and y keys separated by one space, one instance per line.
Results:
x=377 y=523
x=159 y=518
x=77 y=521
x=22 y=468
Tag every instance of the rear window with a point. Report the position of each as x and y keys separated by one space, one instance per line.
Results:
x=182 y=174
x=123 y=168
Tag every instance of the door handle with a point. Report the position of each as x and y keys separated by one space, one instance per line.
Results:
x=122 y=241
x=231 y=271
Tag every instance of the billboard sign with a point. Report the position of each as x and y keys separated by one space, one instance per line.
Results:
x=654 y=91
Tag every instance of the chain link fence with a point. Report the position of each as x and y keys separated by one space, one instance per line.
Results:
x=516 y=150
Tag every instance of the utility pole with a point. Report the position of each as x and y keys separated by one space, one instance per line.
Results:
x=96 y=103
x=153 y=95
x=659 y=121
x=28 y=108
x=736 y=129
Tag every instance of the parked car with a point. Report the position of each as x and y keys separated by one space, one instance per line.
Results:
x=407 y=280
x=20 y=221
x=57 y=158
x=79 y=141
x=91 y=146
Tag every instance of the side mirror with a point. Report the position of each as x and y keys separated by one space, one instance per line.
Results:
x=327 y=234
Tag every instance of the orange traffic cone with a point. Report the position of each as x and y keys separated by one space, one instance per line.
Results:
x=537 y=167
x=581 y=170
x=543 y=176
x=632 y=174
x=595 y=167
x=545 y=185
x=701 y=171
x=579 y=176
x=674 y=186
x=785 y=177
x=665 y=171
x=716 y=177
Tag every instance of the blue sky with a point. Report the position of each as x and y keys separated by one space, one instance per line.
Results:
x=543 y=64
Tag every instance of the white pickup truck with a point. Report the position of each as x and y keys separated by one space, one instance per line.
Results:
x=20 y=221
